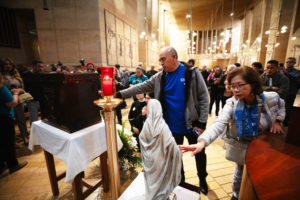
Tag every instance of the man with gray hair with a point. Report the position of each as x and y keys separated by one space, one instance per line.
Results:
x=184 y=97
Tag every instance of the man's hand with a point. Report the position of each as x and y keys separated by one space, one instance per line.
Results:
x=200 y=131
x=195 y=148
x=136 y=131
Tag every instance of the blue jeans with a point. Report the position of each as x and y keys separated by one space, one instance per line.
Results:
x=237 y=179
x=21 y=120
x=33 y=109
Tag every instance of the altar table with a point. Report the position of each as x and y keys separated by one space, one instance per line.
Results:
x=76 y=150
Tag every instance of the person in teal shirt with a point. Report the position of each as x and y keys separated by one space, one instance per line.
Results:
x=138 y=77
x=7 y=142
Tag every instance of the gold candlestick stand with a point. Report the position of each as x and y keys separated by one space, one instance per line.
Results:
x=109 y=104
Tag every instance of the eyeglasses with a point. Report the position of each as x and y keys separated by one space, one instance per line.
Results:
x=239 y=86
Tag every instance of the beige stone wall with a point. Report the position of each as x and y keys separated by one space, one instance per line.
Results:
x=125 y=11
x=69 y=31
x=28 y=50
x=75 y=29
x=148 y=22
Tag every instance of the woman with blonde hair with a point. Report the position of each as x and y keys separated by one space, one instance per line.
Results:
x=12 y=79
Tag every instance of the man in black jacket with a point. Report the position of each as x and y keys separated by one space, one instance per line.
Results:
x=294 y=85
x=151 y=72
x=30 y=87
x=275 y=81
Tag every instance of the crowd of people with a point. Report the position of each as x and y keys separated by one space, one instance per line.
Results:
x=253 y=99
x=20 y=95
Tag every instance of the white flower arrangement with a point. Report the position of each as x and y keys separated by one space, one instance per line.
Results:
x=129 y=150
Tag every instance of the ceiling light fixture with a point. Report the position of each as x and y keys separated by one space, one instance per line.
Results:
x=258 y=39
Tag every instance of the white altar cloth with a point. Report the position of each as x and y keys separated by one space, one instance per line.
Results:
x=136 y=191
x=76 y=150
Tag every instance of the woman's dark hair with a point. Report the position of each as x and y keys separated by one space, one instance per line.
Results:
x=150 y=94
x=257 y=65
x=142 y=75
x=117 y=66
x=237 y=64
x=248 y=74
x=192 y=61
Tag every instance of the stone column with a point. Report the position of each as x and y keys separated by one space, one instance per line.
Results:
x=266 y=13
x=286 y=16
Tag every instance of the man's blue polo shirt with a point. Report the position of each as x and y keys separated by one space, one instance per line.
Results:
x=174 y=100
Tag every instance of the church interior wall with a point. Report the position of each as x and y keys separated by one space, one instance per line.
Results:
x=73 y=29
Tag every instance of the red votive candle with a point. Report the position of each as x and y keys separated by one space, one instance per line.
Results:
x=107 y=79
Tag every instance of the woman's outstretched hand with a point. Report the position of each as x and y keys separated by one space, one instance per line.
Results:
x=195 y=148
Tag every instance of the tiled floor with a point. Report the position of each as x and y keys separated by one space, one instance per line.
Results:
x=32 y=181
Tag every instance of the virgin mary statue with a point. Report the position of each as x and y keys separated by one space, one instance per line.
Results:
x=161 y=156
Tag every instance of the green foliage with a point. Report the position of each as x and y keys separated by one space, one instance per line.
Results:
x=129 y=150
